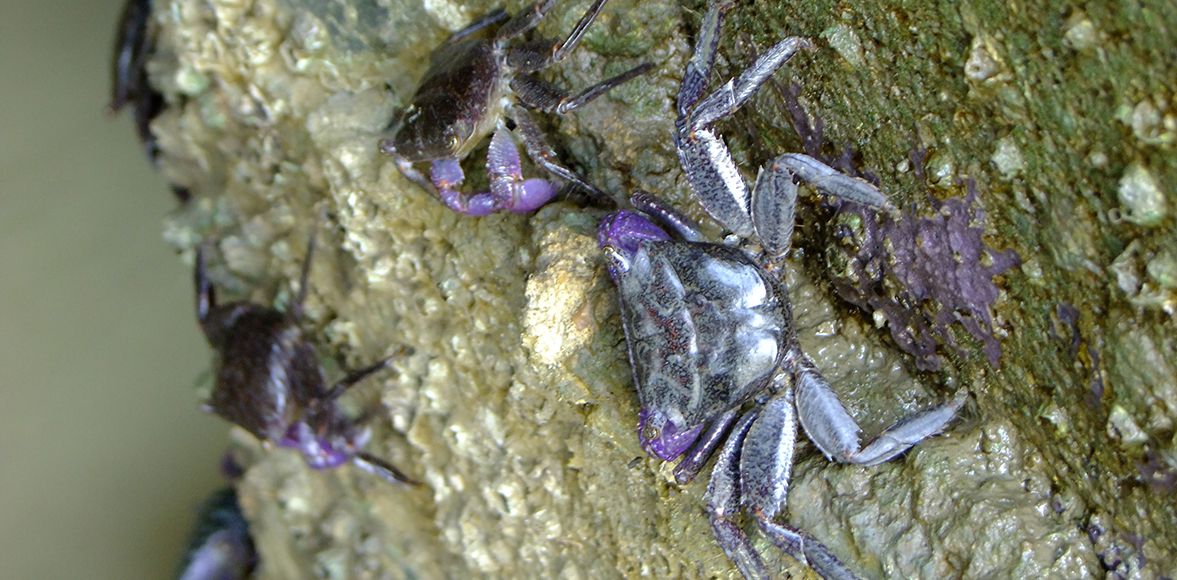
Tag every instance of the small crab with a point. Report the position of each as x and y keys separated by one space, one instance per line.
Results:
x=710 y=331
x=133 y=46
x=129 y=84
x=220 y=547
x=269 y=382
x=469 y=91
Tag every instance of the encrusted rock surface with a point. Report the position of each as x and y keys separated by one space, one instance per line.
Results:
x=515 y=405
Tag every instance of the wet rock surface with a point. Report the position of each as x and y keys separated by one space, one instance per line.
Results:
x=515 y=405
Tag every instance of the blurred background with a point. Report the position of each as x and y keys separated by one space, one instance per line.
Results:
x=104 y=452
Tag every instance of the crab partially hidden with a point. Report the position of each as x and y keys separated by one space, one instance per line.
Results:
x=269 y=382
x=470 y=90
x=715 y=356
x=129 y=83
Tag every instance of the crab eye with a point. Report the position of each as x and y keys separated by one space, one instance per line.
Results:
x=650 y=433
x=455 y=142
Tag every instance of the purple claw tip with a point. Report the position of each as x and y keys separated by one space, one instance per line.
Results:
x=625 y=228
x=667 y=442
x=533 y=194
x=446 y=173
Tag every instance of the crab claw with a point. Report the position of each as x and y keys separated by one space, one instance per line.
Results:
x=662 y=438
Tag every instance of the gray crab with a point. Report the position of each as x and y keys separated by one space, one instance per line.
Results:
x=715 y=356
x=469 y=91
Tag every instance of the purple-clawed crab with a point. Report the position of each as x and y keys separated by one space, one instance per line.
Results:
x=471 y=88
x=269 y=382
x=715 y=357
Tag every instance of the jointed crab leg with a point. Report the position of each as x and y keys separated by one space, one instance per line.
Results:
x=767 y=210
x=774 y=198
x=753 y=472
x=540 y=94
x=704 y=157
x=724 y=500
x=835 y=433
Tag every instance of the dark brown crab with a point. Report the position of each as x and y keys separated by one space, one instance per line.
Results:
x=129 y=84
x=268 y=380
x=472 y=86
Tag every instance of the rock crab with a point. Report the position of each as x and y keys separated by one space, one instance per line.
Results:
x=470 y=90
x=220 y=547
x=134 y=44
x=715 y=357
x=269 y=382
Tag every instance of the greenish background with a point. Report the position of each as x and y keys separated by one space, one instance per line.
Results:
x=104 y=453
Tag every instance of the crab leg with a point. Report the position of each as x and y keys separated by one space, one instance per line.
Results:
x=542 y=155
x=354 y=377
x=697 y=457
x=296 y=305
x=766 y=460
x=774 y=207
x=381 y=468
x=667 y=217
x=206 y=294
x=698 y=71
x=732 y=95
x=774 y=198
x=835 y=433
x=832 y=181
x=132 y=48
x=704 y=157
x=524 y=20
x=495 y=17
x=753 y=471
x=541 y=53
x=506 y=177
x=909 y=431
x=723 y=503
x=578 y=32
x=805 y=549
x=540 y=94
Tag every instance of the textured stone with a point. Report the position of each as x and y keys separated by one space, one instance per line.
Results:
x=515 y=405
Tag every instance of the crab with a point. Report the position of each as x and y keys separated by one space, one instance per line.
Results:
x=220 y=547
x=268 y=380
x=133 y=47
x=472 y=87
x=715 y=357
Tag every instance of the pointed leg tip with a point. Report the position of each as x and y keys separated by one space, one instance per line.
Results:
x=383 y=469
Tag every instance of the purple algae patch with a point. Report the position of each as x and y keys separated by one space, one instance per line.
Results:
x=925 y=273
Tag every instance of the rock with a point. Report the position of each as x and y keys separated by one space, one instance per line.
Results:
x=515 y=406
